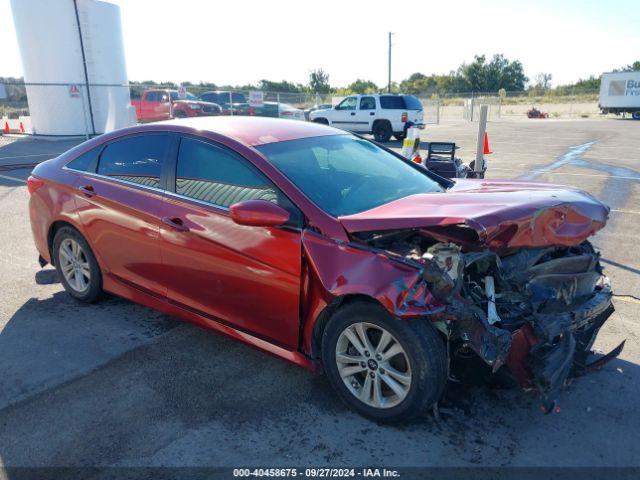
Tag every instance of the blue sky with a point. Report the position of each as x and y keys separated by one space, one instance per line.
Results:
x=243 y=42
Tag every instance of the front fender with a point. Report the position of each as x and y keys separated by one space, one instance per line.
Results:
x=337 y=270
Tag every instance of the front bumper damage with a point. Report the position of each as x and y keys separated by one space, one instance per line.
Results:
x=544 y=358
x=537 y=311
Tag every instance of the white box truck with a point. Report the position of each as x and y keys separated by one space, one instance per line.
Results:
x=620 y=93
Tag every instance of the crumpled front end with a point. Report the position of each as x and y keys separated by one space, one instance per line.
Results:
x=551 y=302
x=536 y=311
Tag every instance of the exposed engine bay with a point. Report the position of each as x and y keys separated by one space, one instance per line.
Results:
x=536 y=311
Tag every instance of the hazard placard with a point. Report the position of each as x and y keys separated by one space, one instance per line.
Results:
x=74 y=91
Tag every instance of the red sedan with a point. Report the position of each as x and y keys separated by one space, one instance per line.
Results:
x=330 y=251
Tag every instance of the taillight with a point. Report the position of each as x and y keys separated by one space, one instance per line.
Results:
x=252 y=111
x=286 y=113
x=404 y=117
x=33 y=184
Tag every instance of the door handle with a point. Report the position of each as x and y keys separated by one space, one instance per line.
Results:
x=176 y=223
x=372 y=113
x=87 y=190
x=353 y=113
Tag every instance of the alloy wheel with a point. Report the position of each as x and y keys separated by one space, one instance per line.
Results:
x=373 y=365
x=74 y=265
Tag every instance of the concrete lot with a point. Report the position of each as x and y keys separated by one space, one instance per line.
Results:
x=118 y=384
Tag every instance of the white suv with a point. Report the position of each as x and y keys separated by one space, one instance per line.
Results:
x=382 y=115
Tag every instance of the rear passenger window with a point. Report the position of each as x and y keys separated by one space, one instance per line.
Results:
x=412 y=103
x=135 y=159
x=151 y=97
x=213 y=175
x=392 y=102
x=367 y=103
x=86 y=161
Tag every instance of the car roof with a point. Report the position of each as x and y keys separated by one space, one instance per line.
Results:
x=254 y=131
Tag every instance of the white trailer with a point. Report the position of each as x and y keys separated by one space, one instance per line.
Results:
x=620 y=93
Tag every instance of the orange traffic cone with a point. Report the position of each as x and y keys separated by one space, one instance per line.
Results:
x=21 y=128
x=417 y=158
x=487 y=151
x=6 y=127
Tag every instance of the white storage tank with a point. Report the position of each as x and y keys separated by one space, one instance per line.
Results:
x=68 y=44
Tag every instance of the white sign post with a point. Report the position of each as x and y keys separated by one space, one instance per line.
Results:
x=256 y=99
x=482 y=128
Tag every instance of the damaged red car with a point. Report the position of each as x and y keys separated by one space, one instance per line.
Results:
x=332 y=252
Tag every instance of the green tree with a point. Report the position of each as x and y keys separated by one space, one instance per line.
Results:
x=541 y=85
x=635 y=66
x=481 y=76
x=586 y=85
x=543 y=80
x=419 y=83
x=319 y=81
x=363 y=86
x=283 y=86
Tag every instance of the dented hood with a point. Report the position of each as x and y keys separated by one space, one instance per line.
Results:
x=502 y=213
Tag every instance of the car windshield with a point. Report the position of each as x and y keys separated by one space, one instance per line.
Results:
x=190 y=96
x=344 y=174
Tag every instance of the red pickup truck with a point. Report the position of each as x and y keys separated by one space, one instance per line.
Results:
x=165 y=104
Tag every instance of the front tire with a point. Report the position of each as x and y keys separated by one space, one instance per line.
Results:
x=384 y=368
x=323 y=121
x=636 y=115
x=76 y=265
x=382 y=131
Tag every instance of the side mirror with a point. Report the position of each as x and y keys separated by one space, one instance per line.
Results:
x=258 y=213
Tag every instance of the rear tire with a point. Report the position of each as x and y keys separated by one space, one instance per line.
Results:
x=636 y=115
x=179 y=114
x=387 y=382
x=382 y=131
x=76 y=265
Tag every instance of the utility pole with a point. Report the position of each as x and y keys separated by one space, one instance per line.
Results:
x=389 y=82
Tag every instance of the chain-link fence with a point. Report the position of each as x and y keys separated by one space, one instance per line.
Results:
x=79 y=109
x=456 y=106
x=571 y=105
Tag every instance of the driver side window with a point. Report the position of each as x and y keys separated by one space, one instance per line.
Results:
x=213 y=175
x=348 y=103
